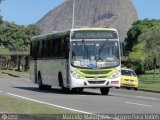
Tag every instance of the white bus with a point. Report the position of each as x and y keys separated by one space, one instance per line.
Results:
x=77 y=59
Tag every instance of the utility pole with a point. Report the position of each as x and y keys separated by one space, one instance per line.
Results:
x=73 y=14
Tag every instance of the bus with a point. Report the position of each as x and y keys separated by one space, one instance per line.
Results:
x=76 y=59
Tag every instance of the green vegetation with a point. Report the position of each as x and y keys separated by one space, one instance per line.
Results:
x=143 y=44
x=15 y=38
x=13 y=105
x=149 y=82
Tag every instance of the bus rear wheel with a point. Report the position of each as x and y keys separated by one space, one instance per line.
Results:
x=80 y=90
x=104 y=91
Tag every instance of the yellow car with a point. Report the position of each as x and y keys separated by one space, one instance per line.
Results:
x=129 y=79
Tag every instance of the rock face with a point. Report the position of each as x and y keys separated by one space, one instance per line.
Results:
x=119 y=14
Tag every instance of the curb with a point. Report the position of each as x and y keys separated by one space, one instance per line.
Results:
x=10 y=74
x=149 y=90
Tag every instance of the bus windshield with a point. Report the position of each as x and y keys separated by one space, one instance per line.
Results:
x=95 y=54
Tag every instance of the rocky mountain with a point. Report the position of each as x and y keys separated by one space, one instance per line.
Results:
x=119 y=14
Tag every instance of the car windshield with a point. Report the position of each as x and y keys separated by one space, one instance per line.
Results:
x=92 y=54
x=128 y=73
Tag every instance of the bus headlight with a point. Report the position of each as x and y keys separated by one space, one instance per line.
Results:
x=115 y=75
x=76 y=75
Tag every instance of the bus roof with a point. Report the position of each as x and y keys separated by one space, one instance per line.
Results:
x=50 y=35
x=66 y=32
x=93 y=29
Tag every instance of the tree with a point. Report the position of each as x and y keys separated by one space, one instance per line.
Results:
x=134 y=41
x=151 y=46
x=17 y=37
x=7 y=58
x=137 y=59
x=1 y=21
x=136 y=30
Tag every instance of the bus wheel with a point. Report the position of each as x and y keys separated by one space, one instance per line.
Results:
x=104 y=91
x=77 y=90
x=40 y=84
x=128 y=88
x=135 y=89
x=80 y=90
x=74 y=90
x=65 y=90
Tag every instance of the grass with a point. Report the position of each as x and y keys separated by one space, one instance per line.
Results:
x=148 y=82
x=18 y=106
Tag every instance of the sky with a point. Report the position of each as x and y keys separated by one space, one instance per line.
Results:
x=25 y=12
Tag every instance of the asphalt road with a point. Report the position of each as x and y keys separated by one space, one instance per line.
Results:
x=119 y=101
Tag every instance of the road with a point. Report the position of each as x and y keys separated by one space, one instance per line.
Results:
x=119 y=101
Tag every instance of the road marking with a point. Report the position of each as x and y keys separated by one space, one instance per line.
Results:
x=84 y=112
x=49 y=104
x=82 y=95
x=147 y=97
x=138 y=104
x=137 y=96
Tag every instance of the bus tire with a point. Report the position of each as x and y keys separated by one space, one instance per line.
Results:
x=60 y=79
x=128 y=88
x=80 y=90
x=40 y=84
x=77 y=90
x=65 y=90
x=105 y=90
x=74 y=90
x=135 y=89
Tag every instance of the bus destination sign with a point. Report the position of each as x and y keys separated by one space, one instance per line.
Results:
x=94 y=35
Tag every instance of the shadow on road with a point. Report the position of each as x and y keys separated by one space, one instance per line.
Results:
x=59 y=91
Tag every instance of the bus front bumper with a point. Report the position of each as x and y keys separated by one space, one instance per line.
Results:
x=94 y=83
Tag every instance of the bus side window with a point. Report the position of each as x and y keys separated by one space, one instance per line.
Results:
x=35 y=50
x=43 y=49
x=46 y=49
x=38 y=47
x=59 y=47
x=49 y=49
x=52 y=49
x=66 y=48
x=55 y=48
x=62 y=46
